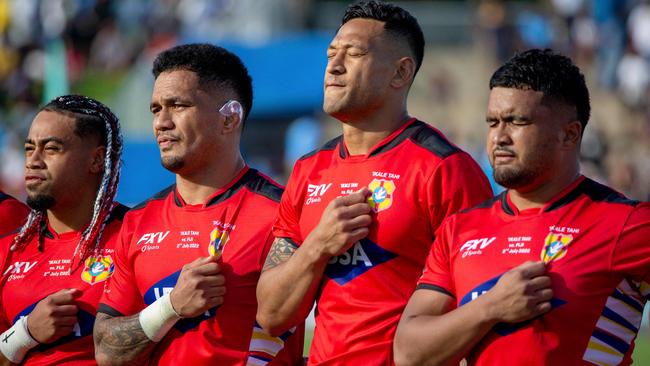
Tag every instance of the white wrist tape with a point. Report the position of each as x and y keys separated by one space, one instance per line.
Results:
x=158 y=318
x=16 y=341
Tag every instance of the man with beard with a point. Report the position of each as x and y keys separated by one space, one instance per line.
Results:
x=54 y=268
x=188 y=259
x=359 y=215
x=553 y=271
x=12 y=213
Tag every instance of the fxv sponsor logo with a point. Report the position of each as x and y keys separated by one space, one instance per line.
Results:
x=20 y=267
x=315 y=192
x=475 y=246
x=153 y=238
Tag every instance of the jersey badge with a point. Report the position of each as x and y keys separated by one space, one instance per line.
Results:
x=555 y=247
x=97 y=269
x=382 y=194
x=218 y=240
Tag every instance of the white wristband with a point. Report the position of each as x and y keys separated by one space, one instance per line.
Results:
x=158 y=318
x=16 y=341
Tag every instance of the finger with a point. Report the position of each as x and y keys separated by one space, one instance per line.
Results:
x=207 y=269
x=65 y=296
x=359 y=196
x=357 y=222
x=355 y=210
x=540 y=282
x=358 y=234
x=198 y=262
x=544 y=295
x=215 y=291
x=65 y=310
x=66 y=321
x=543 y=307
x=214 y=281
x=532 y=269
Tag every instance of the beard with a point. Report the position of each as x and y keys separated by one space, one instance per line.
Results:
x=516 y=177
x=40 y=202
x=172 y=163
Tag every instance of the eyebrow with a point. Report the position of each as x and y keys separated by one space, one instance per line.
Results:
x=45 y=140
x=168 y=100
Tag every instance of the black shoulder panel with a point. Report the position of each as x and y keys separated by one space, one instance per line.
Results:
x=328 y=146
x=118 y=212
x=485 y=204
x=158 y=196
x=432 y=140
x=596 y=192
x=254 y=181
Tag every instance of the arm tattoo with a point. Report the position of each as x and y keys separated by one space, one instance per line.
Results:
x=281 y=250
x=121 y=340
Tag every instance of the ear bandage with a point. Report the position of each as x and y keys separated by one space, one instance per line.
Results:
x=232 y=107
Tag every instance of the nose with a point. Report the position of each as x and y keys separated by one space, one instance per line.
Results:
x=162 y=120
x=500 y=135
x=34 y=160
x=335 y=64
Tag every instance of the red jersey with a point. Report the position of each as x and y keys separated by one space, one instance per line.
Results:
x=595 y=244
x=31 y=275
x=12 y=213
x=417 y=178
x=165 y=233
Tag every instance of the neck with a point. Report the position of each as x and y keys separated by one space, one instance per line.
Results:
x=74 y=217
x=360 y=135
x=541 y=194
x=195 y=188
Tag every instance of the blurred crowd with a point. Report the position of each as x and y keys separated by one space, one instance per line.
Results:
x=610 y=40
x=98 y=41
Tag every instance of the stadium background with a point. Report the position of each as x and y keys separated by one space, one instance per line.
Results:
x=104 y=49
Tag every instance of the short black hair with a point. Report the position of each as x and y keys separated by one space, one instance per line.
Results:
x=214 y=65
x=548 y=72
x=397 y=22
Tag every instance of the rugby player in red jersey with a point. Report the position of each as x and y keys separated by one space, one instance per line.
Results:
x=54 y=268
x=188 y=259
x=553 y=271
x=358 y=216
x=12 y=213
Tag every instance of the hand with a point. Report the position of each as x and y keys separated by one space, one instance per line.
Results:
x=54 y=317
x=521 y=294
x=344 y=222
x=200 y=287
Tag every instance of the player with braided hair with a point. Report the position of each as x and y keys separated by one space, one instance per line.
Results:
x=64 y=249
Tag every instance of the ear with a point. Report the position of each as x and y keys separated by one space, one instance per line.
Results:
x=231 y=123
x=97 y=163
x=404 y=73
x=572 y=134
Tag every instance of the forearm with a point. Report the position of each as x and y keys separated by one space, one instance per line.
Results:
x=121 y=340
x=441 y=339
x=286 y=292
x=4 y=361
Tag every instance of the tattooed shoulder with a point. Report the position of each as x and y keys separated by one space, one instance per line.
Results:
x=281 y=250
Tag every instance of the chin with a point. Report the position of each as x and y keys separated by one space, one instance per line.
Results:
x=172 y=163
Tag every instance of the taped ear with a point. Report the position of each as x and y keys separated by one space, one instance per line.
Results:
x=232 y=107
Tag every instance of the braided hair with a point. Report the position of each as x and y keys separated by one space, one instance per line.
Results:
x=92 y=117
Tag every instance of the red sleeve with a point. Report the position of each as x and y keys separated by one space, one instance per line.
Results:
x=457 y=183
x=437 y=269
x=287 y=223
x=121 y=292
x=12 y=215
x=632 y=252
